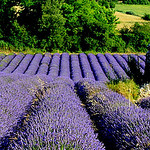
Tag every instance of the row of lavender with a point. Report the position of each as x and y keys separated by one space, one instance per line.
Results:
x=50 y=118
x=121 y=124
x=99 y=67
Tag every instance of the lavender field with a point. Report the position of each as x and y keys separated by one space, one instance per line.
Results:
x=61 y=102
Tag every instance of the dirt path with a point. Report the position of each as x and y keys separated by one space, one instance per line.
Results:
x=128 y=20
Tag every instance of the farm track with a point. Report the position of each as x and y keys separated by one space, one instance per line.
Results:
x=100 y=67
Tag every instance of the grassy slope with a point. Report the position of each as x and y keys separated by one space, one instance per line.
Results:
x=138 y=10
x=129 y=20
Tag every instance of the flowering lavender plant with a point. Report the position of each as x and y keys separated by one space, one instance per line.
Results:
x=64 y=65
x=5 y=62
x=24 y=64
x=14 y=64
x=121 y=124
x=106 y=67
x=34 y=65
x=61 y=122
x=117 y=68
x=97 y=69
x=76 y=73
x=54 y=66
x=85 y=66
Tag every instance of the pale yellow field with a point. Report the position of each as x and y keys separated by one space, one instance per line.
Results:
x=128 y=20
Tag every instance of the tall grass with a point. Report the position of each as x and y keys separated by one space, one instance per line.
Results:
x=138 y=10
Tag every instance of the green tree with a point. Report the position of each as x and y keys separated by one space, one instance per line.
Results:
x=138 y=37
x=89 y=26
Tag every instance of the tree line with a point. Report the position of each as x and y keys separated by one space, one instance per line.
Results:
x=67 y=25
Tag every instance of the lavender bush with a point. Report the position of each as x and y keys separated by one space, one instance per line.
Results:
x=24 y=64
x=44 y=67
x=54 y=66
x=122 y=62
x=117 y=68
x=121 y=124
x=61 y=123
x=76 y=73
x=14 y=63
x=5 y=62
x=33 y=67
x=97 y=70
x=85 y=66
x=2 y=56
x=16 y=99
x=106 y=67
x=64 y=65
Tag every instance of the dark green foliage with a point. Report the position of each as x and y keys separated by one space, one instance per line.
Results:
x=65 y=25
x=130 y=13
x=137 y=38
x=135 y=72
x=107 y=3
x=89 y=26
x=146 y=16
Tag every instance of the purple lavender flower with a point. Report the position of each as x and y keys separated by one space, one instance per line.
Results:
x=14 y=63
x=121 y=124
x=24 y=64
x=15 y=99
x=85 y=66
x=54 y=66
x=106 y=67
x=34 y=65
x=117 y=68
x=64 y=65
x=62 y=121
x=44 y=66
x=5 y=62
x=2 y=56
x=122 y=62
x=143 y=57
x=76 y=73
x=97 y=69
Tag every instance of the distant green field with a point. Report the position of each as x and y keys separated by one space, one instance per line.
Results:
x=138 y=10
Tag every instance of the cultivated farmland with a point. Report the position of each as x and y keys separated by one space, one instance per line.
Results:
x=61 y=101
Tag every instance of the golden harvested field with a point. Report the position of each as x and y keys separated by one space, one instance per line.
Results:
x=128 y=20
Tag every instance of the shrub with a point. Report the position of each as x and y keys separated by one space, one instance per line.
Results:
x=137 y=37
x=146 y=16
x=128 y=88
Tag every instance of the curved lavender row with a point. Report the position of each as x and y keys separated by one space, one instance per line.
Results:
x=54 y=66
x=2 y=56
x=46 y=59
x=143 y=57
x=43 y=69
x=122 y=62
x=34 y=65
x=64 y=65
x=117 y=68
x=121 y=124
x=5 y=62
x=144 y=103
x=106 y=67
x=125 y=56
x=75 y=68
x=140 y=61
x=85 y=66
x=15 y=99
x=61 y=122
x=24 y=64
x=97 y=70
x=14 y=63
